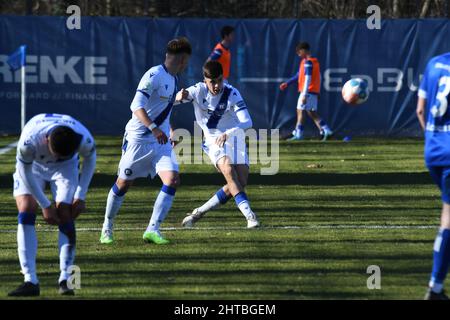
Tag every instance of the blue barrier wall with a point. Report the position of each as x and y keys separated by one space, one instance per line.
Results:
x=92 y=73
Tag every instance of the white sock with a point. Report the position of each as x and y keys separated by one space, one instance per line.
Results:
x=436 y=287
x=161 y=207
x=209 y=205
x=216 y=200
x=113 y=205
x=27 y=249
x=66 y=244
x=246 y=210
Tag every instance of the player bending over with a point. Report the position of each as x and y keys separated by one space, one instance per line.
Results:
x=47 y=152
x=146 y=150
x=434 y=117
x=308 y=80
x=223 y=116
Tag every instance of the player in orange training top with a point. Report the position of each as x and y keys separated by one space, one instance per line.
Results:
x=221 y=52
x=308 y=79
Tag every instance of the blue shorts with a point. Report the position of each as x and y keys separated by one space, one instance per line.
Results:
x=441 y=176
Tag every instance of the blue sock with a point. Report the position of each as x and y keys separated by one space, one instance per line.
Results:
x=244 y=205
x=66 y=244
x=27 y=246
x=161 y=208
x=441 y=259
x=222 y=196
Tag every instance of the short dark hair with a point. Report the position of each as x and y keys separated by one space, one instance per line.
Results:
x=212 y=69
x=64 y=141
x=302 y=46
x=226 y=31
x=179 y=45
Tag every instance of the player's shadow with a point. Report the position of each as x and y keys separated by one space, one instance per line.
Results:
x=288 y=179
x=312 y=179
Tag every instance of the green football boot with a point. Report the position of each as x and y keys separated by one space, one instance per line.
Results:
x=106 y=237
x=154 y=237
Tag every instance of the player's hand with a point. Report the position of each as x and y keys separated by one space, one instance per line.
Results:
x=160 y=136
x=50 y=215
x=78 y=206
x=283 y=86
x=220 y=141
x=183 y=94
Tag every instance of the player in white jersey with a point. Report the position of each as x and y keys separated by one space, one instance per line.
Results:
x=48 y=152
x=146 y=151
x=223 y=116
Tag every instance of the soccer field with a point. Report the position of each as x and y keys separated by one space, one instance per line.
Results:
x=333 y=209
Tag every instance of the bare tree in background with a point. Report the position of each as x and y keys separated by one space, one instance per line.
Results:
x=332 y=9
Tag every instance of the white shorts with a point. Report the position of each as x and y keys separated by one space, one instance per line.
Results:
x=140 y=160
x=234 y=148
x=63 y=181
x=311 y=102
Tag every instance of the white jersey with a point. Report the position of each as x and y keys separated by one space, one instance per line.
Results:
x=33 y=143
x=216 y=114
x=156 y=95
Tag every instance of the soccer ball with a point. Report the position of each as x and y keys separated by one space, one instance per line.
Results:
x=355 y=91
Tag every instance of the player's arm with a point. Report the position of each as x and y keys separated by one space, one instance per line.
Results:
x=215 y=55
x=89 y=154
x=147 y=85
x=25 y=158
x=290 y=81
x=188 y=95
x=183 y=97
x=422 y=100
x=245 y=121
x=420 y=111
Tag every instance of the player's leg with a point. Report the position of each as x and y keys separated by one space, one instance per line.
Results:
x=66 y=245
x=26 y=236
x=127 y=172
x=324 y=129
x=221 y=197
x=164 y=163
x=161 y=208
x=236 y=190
x=297 y=134
x=242 y=171
x=311 y=106
x=114 y=201
x=441 y=250
x=27 y=245
x=63 y=185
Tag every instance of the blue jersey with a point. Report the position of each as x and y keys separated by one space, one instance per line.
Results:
x=435 y=88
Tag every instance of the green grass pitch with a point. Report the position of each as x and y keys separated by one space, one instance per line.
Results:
x=371 y=202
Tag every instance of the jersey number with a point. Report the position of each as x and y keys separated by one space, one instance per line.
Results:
x=441 y=105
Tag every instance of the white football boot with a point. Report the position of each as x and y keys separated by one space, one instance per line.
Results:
x=253 y=222
x=191 y=219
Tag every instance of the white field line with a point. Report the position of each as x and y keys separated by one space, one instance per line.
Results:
x=8 y=148
x=313 y=227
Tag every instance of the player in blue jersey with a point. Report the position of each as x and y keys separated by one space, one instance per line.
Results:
x=146 y=150
x=434 y=117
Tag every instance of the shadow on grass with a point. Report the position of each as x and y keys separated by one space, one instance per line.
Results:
x=312 y=179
